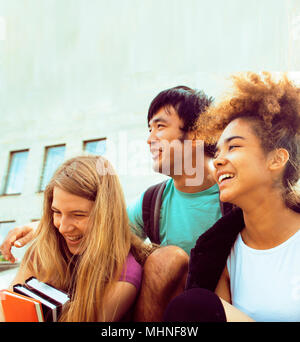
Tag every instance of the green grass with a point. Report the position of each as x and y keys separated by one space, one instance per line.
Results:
x=2 y=258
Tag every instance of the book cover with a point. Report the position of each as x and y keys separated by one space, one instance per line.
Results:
x=52 y=299
x=50 y=311
x=33 y=301
x=47 y=291
x=19 y=308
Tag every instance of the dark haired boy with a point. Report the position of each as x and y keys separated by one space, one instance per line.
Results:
x=188 y=209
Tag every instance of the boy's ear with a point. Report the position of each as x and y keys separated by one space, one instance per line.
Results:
x=278 y=159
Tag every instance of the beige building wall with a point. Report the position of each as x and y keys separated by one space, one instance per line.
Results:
x=74 y=70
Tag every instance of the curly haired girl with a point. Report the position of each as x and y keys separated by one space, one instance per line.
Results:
x=247 y=265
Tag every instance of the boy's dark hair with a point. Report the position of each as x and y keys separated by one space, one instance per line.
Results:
x=188 y=103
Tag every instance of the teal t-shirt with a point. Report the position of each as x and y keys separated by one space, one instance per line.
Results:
x=183 y=216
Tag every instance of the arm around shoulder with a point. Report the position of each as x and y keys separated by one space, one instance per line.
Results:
x=17 y=237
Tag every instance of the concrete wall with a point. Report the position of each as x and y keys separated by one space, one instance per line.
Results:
x=73 y=70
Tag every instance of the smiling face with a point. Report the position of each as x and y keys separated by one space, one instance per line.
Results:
x=241 y=165
x=71 y=216
x=165 y=140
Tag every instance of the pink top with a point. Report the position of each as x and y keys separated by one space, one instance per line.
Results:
x=132 y=272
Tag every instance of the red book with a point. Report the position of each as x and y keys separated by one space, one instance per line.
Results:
x=19 y=308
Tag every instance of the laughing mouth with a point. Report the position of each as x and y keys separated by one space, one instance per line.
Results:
x=74 y=238
x=155 y=153
x=225 y=176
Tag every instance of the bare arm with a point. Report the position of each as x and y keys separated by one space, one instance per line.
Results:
x=223 y=287
x=17 y=237
x=118 y=301
x=223 y=291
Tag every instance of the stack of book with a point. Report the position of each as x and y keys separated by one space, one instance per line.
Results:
x=33 y=301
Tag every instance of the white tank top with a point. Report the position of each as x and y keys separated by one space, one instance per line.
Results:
x=265 y=284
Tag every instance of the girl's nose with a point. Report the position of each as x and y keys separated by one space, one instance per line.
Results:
x=65 y=225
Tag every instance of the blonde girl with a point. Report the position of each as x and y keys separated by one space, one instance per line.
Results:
x=84 y=244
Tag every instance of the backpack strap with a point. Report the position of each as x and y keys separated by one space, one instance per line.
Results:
x=151 y=210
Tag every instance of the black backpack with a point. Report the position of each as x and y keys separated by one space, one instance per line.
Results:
x=151 y=210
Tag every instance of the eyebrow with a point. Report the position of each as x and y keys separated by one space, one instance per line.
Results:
x=234 y=137
x=229 y=139
x=73 y=211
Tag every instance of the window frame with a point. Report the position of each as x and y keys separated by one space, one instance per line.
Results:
x=85 y=142
x=46 y=149
x=8 y=173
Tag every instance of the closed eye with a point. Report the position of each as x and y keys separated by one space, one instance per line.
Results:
x=79 y=214
x=231 y=147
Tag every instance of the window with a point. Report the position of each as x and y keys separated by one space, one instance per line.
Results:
x=16 y=172
x=97 y=146
x=5 y=227
x=54 y=157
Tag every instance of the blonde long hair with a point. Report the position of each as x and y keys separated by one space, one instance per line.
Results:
x=106 y=243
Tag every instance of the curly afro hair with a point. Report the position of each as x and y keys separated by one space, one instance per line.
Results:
x=273 y=108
